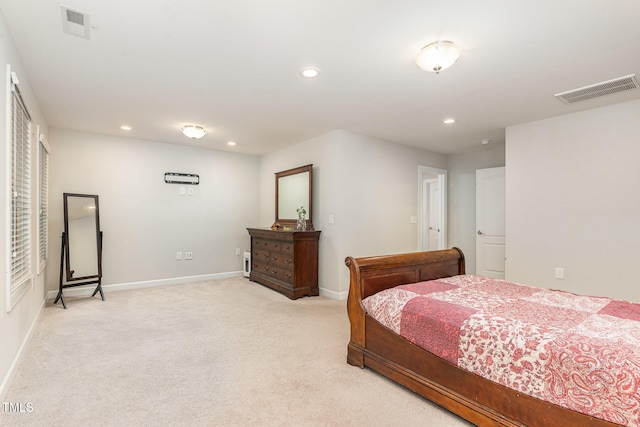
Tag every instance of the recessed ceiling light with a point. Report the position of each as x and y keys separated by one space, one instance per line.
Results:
x=125 y=127
x=448 y=121
x=310 y=73
x=231 y=143
x=484 y=141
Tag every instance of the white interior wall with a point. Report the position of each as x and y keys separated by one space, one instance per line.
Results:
x=573 y=187
x=461 y=214
x=582 y=218
x=370 y=188
x=15 y=326
x=145 y=220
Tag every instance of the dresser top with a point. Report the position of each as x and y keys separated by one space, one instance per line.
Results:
x=289 y=235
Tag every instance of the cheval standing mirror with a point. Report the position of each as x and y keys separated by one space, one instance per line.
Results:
x=81 y=250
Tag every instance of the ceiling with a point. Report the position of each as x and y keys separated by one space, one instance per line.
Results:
x=233 y=66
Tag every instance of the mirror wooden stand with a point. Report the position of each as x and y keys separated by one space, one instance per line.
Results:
x=81 y=245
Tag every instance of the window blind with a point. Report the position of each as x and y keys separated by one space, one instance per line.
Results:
x=43 y=204
x=20 y=251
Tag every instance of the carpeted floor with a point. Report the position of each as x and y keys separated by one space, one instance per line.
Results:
x=219 y=353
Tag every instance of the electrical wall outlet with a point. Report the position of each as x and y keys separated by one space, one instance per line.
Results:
x=188 y=255
x=559 y=273
x=237 y=251
x=179 y=256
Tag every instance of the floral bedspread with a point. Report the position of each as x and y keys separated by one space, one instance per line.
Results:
x=576 y=351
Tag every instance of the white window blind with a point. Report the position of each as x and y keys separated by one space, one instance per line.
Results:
x=43 y=203
x=20 y=204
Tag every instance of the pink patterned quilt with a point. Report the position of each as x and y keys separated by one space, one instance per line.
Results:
x=575 y=351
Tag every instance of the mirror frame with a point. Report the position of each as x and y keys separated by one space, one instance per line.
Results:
x=308 y=205
x=69 y=275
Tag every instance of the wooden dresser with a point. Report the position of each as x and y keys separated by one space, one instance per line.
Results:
x=286 y=261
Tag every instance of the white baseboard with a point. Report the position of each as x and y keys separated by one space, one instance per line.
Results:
x=4 y=386
x=88 y=290
x=333 y=294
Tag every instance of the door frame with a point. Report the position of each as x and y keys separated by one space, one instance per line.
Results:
x=423 y=205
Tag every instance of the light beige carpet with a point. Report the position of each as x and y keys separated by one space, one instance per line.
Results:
x=218 y=353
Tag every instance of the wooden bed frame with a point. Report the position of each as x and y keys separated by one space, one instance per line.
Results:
x=468 y=395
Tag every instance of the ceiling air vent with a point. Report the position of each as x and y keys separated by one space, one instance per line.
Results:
x=620 y=84
x=75 y=22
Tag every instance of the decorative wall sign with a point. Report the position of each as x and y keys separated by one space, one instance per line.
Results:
x=181 y=178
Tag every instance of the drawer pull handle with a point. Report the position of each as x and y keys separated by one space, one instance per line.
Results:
x=287 y=275
x=288 y=261
x=275 y=258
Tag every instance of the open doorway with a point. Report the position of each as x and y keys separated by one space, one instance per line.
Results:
x=432 y=208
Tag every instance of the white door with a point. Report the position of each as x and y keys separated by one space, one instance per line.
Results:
x=434 y=216
x=432 y=208
x=490 y=222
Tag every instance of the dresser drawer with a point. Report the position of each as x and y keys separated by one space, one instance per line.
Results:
x=282 y=260
x=286 y=248
x=259 y=267
x=282 y=273
x=267 y=245
x=260 y=255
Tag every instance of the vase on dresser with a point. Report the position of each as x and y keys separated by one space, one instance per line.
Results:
x=301 y=223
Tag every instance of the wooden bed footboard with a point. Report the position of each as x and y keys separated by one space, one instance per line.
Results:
x=472 y=397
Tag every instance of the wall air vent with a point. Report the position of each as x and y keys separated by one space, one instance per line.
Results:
x=75 y=22
x=620 y=84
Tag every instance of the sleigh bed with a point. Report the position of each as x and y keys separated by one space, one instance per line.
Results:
x=453 y=379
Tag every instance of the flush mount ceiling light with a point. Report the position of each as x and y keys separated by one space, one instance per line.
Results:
x=310 y=73
x=448 y=121
x=437 y=56
x=193 y=131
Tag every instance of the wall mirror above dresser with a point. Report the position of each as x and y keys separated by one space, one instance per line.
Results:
x=294 y=190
